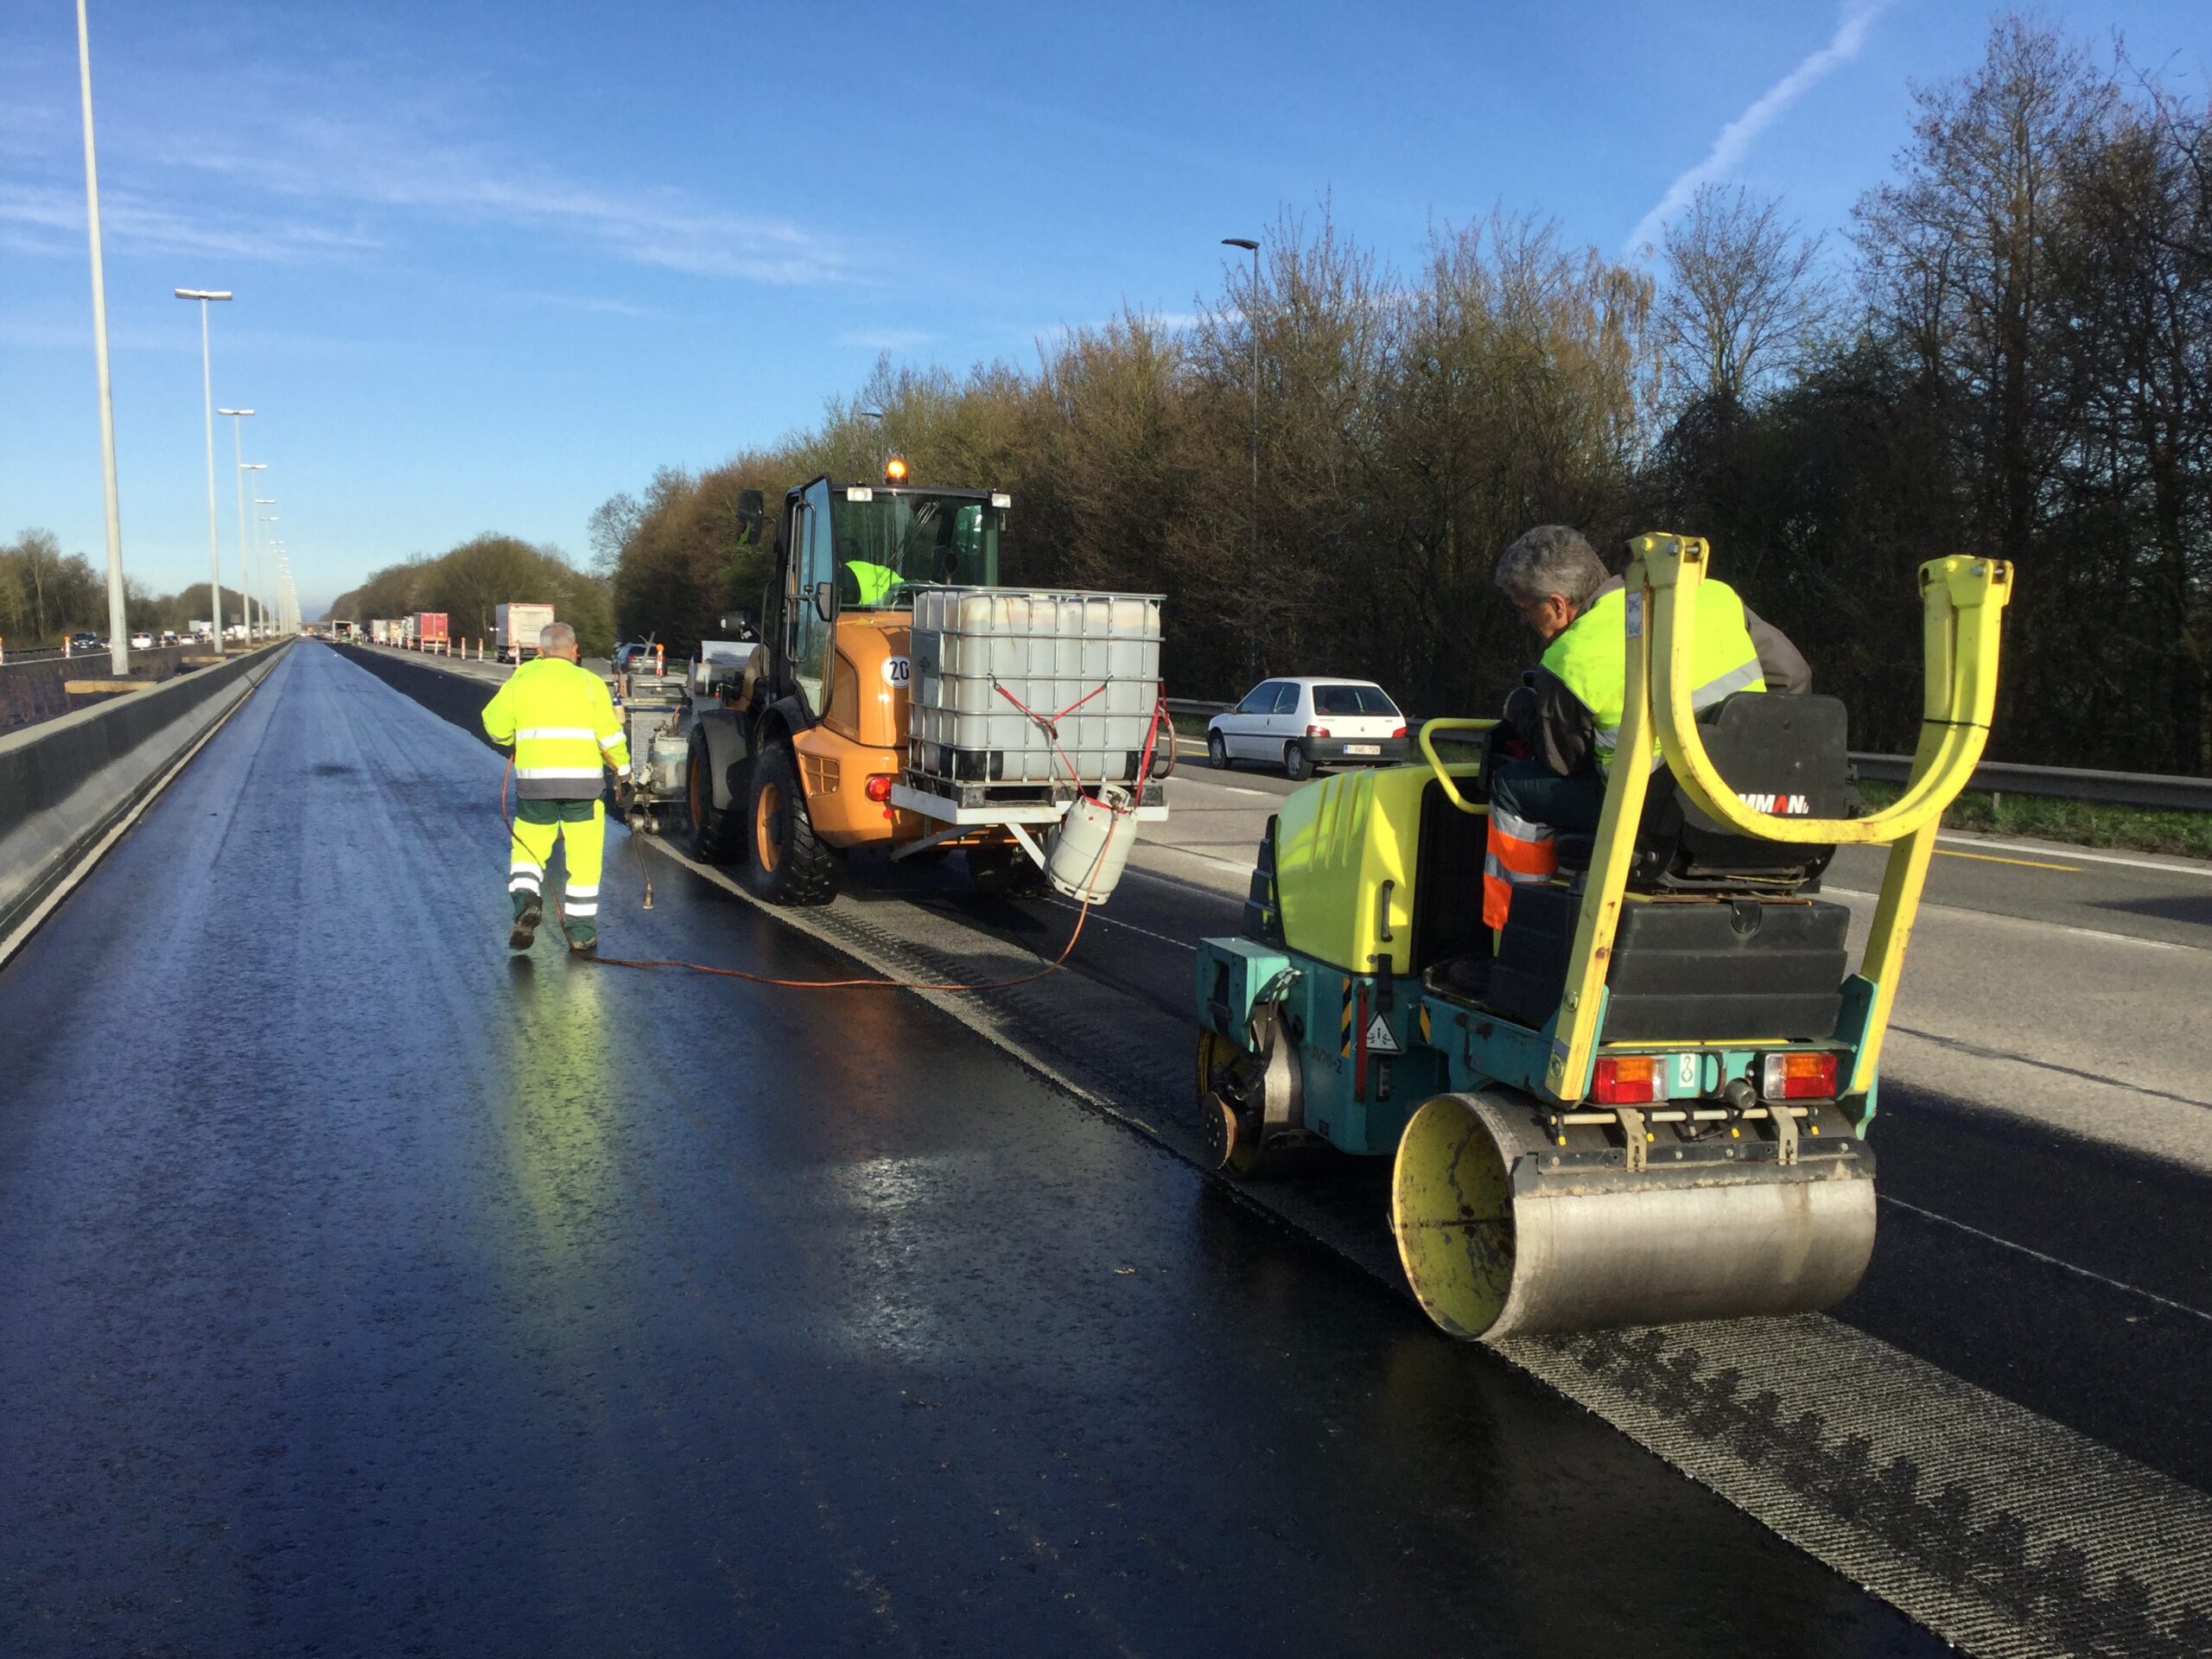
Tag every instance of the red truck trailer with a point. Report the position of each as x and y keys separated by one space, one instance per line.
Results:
x=430 y=627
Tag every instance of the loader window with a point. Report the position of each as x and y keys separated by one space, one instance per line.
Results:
x=809 y=634
x=903 y=537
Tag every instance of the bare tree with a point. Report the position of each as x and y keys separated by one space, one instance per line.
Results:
x=1743 y=292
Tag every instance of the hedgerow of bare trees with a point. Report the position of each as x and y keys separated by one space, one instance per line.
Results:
x=2010 y=356
x=469 y=583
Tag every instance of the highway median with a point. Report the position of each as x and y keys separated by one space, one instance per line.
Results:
x=69 y=785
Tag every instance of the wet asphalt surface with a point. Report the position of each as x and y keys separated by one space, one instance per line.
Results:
x=2057 y=1326
x=365 y=1292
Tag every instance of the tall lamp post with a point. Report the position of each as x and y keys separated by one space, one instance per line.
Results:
x=245 y=562
x=262 y=541
x=118 y=631
x=1252 y=327
x=204 y=295
x=238 y=455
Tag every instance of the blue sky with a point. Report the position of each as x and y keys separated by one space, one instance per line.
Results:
x=495 y=262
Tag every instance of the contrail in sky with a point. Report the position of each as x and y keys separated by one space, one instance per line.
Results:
x=1852 y=30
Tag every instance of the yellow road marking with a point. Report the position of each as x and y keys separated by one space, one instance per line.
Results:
x=2024 y=863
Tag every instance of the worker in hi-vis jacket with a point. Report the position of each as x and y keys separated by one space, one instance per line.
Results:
x=563 y=728
x=1568 y=716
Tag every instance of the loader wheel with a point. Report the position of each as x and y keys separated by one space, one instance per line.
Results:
x=1217 y=750
x=1295 y=764
x=789 y=865
x=1002 y=870
x=707 y=838
x=1229 y=1134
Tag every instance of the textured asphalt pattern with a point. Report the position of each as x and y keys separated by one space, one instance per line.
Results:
x=2006 y=1531
x=365 y=1292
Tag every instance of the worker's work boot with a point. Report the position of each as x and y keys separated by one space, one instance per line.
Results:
x=583 y=937
x=528 y=909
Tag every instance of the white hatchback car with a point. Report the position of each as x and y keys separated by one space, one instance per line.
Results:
x=1298 y=724
x=142 y=642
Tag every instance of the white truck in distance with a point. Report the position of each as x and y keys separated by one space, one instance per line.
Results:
x=515 y=629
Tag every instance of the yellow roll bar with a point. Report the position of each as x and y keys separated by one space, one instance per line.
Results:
x=1962 y=605
x=1444 y=774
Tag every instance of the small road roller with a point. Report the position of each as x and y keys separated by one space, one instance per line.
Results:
x=1645 y=1099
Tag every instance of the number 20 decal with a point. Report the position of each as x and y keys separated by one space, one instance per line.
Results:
x=897 y=670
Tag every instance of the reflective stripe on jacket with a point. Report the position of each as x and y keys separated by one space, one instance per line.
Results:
x=563 y=726
x=1590 y=657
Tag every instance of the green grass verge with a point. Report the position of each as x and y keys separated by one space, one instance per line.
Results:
x=2083 y=823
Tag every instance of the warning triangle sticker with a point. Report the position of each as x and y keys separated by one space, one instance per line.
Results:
x=1379 y=1040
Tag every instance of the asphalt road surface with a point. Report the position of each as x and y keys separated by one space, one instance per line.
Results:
x=366 y=1292
x=2045 y=1123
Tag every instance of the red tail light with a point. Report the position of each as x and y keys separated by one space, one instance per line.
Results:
x=1798 y=1077
x=1401 y=732
x=1317 y=731
x=1627 y=1080
x=879 y=788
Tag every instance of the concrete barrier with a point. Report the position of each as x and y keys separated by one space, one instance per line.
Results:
x=39 y=690
x=66 y=782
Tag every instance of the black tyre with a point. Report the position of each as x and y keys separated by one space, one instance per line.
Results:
x=787 y=864
x=1217 y=750
x=1295 y=766
x=709 y=837
x=1002 y=870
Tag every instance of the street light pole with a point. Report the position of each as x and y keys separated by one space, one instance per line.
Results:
x=119 y=632
x=207 y=398
x=1251 y=591
x=261 y=543
x=237 y=456
x=246 y=566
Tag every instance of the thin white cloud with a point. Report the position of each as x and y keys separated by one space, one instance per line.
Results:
x=886 y=340
x=333 y=158
x=591 y=303
x=309 y=168
x=129 y=220
x=1857 y=21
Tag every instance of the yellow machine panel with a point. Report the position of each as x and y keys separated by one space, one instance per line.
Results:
x=1337 y=842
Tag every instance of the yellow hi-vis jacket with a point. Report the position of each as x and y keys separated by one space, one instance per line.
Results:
x=563 y=725
x=1590 y=657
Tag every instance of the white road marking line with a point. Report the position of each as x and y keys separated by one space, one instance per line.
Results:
x=2027 y=921
x=1239 y=789
x=2052 y=1261
x=2203 y=871
x=1133 y=928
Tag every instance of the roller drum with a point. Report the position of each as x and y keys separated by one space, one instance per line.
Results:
x=1499 y=1237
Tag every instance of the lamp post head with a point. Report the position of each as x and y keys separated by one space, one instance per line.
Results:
x=234 y=411
x=253 y=466
x=1243 y=242
x=203 y=294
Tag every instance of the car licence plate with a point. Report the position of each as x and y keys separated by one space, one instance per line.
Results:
x=1362 y=748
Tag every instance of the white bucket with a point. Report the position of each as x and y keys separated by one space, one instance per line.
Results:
x=1085 y=852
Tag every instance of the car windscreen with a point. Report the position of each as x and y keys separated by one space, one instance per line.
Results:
x=1351 y=700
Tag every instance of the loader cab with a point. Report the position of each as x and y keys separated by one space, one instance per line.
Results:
x=863 y=550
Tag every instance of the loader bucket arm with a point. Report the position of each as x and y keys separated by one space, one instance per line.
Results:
x=1962 y=611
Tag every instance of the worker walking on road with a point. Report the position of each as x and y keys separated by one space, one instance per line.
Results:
x=564 y=732
x=1569 y=715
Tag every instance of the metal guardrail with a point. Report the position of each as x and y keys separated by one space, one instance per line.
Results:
x=2147 y=789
